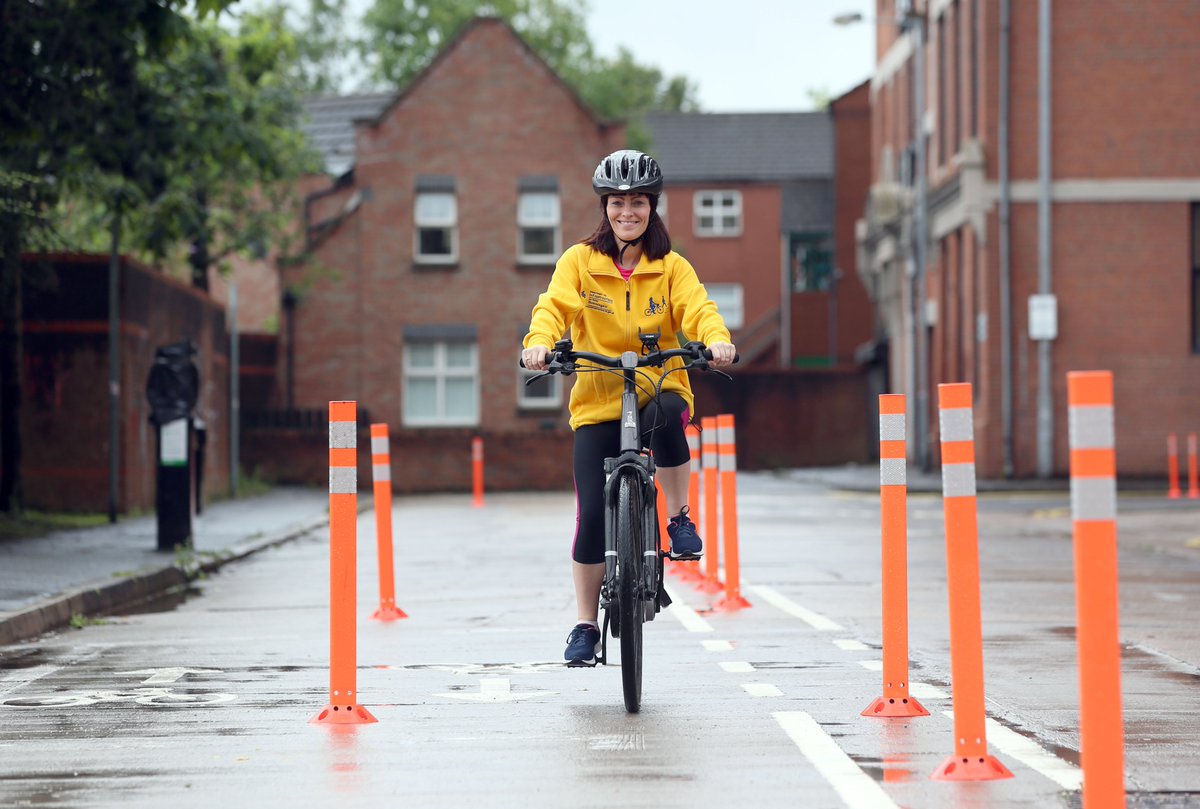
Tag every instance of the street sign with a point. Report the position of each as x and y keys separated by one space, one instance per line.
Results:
x=1043 y=317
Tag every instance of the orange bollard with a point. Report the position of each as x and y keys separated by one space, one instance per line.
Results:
x=381 y=475
x=343 y=707
x=710 y=583
x=1172 y=467
x=893 y=522
x=727 y=467
x=1193 y=487
x=970 y=761
x=477 y=472
x=1094 y=514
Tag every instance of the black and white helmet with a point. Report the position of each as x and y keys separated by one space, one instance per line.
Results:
x=628 y=171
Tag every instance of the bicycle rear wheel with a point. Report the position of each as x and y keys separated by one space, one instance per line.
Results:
x=630 y=561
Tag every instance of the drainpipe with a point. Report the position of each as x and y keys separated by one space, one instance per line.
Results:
x=920 y=243
x=1045 y=415
x=1006 y=364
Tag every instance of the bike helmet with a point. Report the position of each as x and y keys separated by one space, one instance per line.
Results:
x=628 y=171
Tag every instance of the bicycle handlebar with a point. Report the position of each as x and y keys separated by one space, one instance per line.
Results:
x=562 y=359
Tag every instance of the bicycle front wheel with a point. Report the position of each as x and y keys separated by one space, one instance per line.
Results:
x=630 y=561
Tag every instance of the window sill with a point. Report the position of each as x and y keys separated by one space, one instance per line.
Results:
x=432 y=265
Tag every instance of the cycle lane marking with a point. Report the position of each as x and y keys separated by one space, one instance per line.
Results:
x=761 y=690
x=813 y=619
x=917 y=689
x=1031 y=754
x=22 y=677
x=857 y=789
x=717 y=645
x=736 y=667
x=685 y=614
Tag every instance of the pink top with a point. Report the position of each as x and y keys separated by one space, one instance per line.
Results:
x=625 y=273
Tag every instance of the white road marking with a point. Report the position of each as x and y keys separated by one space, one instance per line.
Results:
x=168 y=675
x=686 y=615
x=926 y=691
x=717 y=645
x=857 y=789
x=762 y=690
x=1029 y=753
x=21 y=677
x=813 y=619
x=736 y=667
x=848 y=645
x=494 y=689
x=871 y=665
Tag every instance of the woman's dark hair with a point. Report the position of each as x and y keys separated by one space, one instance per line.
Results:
x=656 y=242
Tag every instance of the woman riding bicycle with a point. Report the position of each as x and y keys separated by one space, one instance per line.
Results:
x=623 y=280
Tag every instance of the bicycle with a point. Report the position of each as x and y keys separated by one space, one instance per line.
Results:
x=632 y=591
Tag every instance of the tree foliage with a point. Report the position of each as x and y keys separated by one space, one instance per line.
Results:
x=402 y=37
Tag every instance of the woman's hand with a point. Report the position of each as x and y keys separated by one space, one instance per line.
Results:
x=722 y=353
x=534 y=357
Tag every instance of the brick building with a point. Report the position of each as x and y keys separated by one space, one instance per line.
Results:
x=1094 y=202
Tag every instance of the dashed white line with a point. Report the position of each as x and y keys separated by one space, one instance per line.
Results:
x=22 y=677
x=813 y=619
x=871 y=665
x=761 y=690
x=857 y=789
x=1029 y=753
x=918 y=690
x=848 y=645
x=686 y=615
x=736 y=667
x=717 y=645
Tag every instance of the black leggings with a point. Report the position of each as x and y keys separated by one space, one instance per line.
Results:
x=595 y=442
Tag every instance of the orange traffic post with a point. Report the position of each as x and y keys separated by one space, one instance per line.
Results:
x=893 y=522
x=727 y=468
x=343 y=707
x=970 y=761
x=1193 y=487
x=477 y=472
x=381 y=475
x=711 y=582
x=1172 y=467
x=1094 y=515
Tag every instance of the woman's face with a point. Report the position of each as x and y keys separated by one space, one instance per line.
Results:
x=628 y=214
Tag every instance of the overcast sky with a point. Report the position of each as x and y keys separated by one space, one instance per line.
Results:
x=744 y=55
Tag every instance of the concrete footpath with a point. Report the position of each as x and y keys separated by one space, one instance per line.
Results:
x=45 y=581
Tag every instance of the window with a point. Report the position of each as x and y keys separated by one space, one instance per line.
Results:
x=441 y=377
x=1196 y=277
x=728 y=298
x=718 y=213
x=545 y=394
x=435 y=214
x=810 y=255
x=538 y=218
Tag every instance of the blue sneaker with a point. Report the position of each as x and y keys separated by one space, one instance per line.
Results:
x=685 y=542
x=583 y=644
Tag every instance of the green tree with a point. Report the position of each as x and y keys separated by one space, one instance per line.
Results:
x=403 y=36
x=67 y=67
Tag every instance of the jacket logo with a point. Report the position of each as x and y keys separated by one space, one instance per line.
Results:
x=598 y=301
x=656 y=308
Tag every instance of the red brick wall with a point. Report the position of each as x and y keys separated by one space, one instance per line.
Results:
x=852 y=177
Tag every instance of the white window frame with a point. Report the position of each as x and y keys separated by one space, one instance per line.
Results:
x=731 y=303
x=441 y=371
x=449 y=222
x=526 y=402
x=553 y=221
x=716 y=211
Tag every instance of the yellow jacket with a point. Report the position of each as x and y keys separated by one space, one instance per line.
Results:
x=604 y=313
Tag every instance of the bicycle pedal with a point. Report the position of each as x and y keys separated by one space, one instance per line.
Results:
x=582 y=664
x=689 y=557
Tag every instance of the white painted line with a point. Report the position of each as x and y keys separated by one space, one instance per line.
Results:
x=1029 y=753
x=848 y=645
x=736 y=667
x=686 y=615
x=813 y=619
x=762 y=690
x=871 y=665
x=717 y=645
x=926 y=691
x=22 y=677
x=857 y=789
x=494 y=689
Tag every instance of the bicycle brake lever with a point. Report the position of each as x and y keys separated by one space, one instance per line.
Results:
x=536 y=377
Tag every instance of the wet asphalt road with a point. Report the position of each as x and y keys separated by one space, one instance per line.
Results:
x=207 y=702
